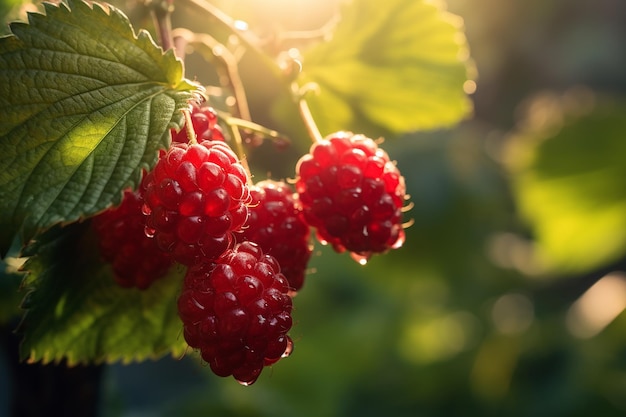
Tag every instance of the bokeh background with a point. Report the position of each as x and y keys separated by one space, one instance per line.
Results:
x=508 y=295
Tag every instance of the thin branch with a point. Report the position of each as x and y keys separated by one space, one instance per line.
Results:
x=226 y=64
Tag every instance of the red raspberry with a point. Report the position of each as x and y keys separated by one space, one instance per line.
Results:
x=136 y=260
x=195 y=198
x=277 y=225
x=204 y=121
x=237 y=312
x=353 y=194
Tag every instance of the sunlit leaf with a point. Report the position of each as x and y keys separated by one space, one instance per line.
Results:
x=76 y=311
x=84 y=105
x=401 y=65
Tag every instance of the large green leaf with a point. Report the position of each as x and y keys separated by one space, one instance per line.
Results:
x=569 y=179
x=399 y=64
x=76 y=311
x=84 y=106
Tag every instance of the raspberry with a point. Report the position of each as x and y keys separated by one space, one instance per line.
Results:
x=352 y=194
x=204 y=121
x=195 y=198
x=237 y=312
x=277 y=225
x=136 y=260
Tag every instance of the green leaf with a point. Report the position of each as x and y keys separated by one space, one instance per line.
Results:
x=85 y=104
x=399 y=64
x=78 y=312
x=569 y=180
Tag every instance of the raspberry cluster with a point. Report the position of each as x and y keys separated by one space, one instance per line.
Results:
x=246 y=247
x=237 y=312
x=352 y=194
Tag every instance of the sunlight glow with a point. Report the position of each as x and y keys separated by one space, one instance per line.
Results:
x=469 y=87
x=598 y=306
x=240 y=25
x=438 y=338
x=513 y=313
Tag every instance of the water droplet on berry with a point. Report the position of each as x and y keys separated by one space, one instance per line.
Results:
x=149 y=232
x=289 y=349
x=361 y=259
x=400 y=241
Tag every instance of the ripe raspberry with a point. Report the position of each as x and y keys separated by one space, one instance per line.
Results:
x=277 y=225
x=237 y=312
x=136 y=260
x=204 y=121
x=353 y=194
x=195 y=198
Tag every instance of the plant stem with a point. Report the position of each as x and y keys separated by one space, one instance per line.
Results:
x=254 y=127
x=225 y=21
x=161 y=13
x=307 y=117
x=191 y=134
x=238 y=148
x=220 y=21
x=226 y=66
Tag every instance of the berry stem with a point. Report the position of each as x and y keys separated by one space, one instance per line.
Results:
x=305 y=111
x=313 y=35
x=191 y=134
x=223 y=21
x=161 y=13
x=238 y=148
x=226 y=66
x=253 y=127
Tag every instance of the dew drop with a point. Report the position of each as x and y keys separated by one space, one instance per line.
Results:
x=288 y=349
x=244 y=383
x=361 y=259
x=149 y=232
x=400 y=241
x=145 y=209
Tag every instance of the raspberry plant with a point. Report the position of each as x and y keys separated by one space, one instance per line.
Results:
x=83 y=115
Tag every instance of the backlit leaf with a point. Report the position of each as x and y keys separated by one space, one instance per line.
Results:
x=85 y=103
x=401 y=65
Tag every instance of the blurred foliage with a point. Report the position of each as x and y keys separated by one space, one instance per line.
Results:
x=567 y=169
